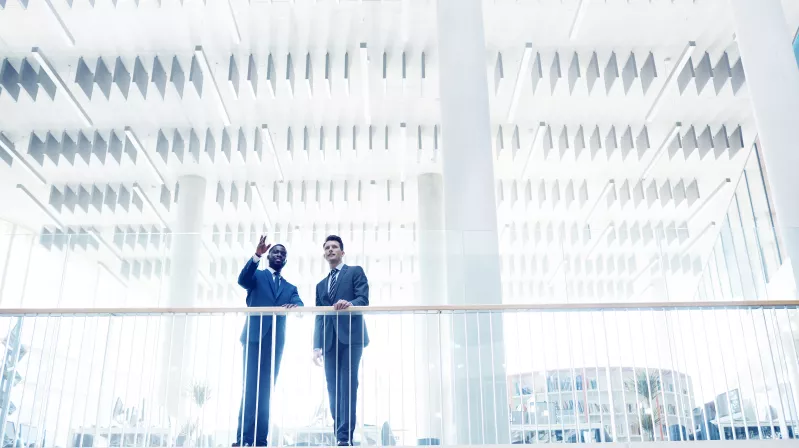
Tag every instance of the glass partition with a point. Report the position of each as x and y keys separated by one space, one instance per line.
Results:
x=571 y=374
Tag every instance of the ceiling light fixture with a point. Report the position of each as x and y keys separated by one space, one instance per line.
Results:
x=578 y=19
x=365 y=81
x=259 y=198
x=385 y=73
x=517 y=88
x=140 y=191
x=50 y=70
x=8 y=146
x=662 y=150
x=684 y=57
x=403 y=147
x=404 y=73
x=539 y=132
x=270 y=143
x=140 y=148
x=44 y=208
x=67 y=35
x=200 y=54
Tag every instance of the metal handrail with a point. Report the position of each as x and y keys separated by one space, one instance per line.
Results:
x=430 y=309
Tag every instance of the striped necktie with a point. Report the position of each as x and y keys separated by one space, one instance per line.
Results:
x=333 y=278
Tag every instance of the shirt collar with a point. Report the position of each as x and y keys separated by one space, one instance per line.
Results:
x=339 y=267
x=272 y=271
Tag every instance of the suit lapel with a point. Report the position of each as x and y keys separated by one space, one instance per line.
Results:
x=326 y=298
x=323 y=286
x=281 y=289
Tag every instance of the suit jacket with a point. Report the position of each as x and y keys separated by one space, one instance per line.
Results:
x=346 y=327
x=261 y=292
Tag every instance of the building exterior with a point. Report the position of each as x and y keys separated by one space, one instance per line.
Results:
x=600 y=405
x=730 y=416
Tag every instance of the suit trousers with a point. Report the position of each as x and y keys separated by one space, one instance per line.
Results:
x=253 y=422
x=341 y=372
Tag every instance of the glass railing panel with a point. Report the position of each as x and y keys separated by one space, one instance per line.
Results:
x=572 y=374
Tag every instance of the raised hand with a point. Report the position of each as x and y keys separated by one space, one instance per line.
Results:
x=262 y=246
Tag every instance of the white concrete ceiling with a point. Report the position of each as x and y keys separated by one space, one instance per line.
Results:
x=350 y=142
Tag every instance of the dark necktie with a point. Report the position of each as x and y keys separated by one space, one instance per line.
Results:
x=277 y=281
x=333 y=277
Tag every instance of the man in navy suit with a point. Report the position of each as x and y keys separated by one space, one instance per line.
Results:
x=265 y=288
x=339 y=339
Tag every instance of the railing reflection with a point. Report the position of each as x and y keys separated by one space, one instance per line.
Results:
x=570 y=373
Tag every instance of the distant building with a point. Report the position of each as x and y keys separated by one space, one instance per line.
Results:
x=599 y=404
x=731 y=417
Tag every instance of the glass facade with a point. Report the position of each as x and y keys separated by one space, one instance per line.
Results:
x=796 y=46
x=746 y=256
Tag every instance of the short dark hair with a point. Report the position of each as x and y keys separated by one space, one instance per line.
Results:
x=335 y=238
x=275 y=247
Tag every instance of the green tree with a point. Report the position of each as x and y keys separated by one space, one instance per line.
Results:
x=191 y=431
x=648 y=388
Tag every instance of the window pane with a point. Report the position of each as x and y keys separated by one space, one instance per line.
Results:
x=796 y=46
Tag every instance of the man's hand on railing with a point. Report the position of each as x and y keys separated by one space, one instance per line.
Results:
x=291 y=306
x=318 y=357
x=341 y=305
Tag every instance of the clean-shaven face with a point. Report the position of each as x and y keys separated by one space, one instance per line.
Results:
x=333 y=253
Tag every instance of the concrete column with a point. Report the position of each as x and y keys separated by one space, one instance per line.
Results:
x=185 y=264
x=470 y=215
x=764 y=40
x=431 y=338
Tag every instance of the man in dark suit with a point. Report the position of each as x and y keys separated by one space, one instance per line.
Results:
x=264 y=288
x=339 y=339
